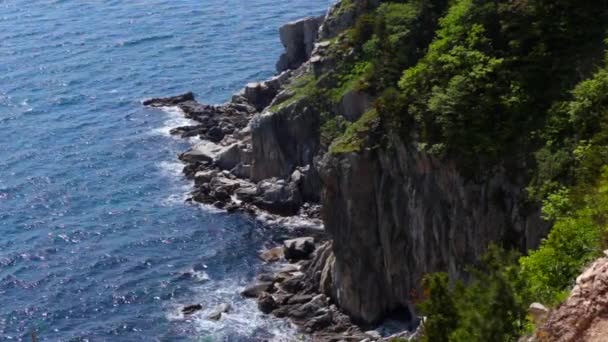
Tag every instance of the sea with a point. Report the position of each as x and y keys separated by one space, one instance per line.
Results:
x=97 y=242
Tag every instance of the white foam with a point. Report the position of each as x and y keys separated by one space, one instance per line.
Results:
x=243 y=319
x=175 y=118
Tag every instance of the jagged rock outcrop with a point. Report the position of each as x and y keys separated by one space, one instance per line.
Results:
x=397 y=214
x=583 y=317
x=298 y=38
x=343 y=16
x=283 y=140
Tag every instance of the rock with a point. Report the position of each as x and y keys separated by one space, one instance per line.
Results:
x=216 y=314
x=319 y=322
x=190 y=309
x=284 y=140
x=583 y=315
x=246 y=194
x=397 y=214
x=373 y=334
x=204 y=151
x=277 y=197
x=229 y=157
x=538 y=312
x=272 y=254
x=242 y=170
x=309 y=309
x=169 y=101
x=293 y=284
x=266 y=303
x=300 y=299
x=298 y=38
x=255 y=290
x=282 y=298
x=354 y=104
x=298 y=249
x=215 y=134
x=206 y=176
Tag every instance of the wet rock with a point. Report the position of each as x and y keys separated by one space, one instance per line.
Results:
x=169 y=101
x=299 y=248
x=216 y=314
x=255 y=290
x=205 y=176
x=190 y=309
x=272 y=254
x=266 y=303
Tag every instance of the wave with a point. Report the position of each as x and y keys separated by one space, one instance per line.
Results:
x=175 y=118
x=243 y=321
x=142 y=40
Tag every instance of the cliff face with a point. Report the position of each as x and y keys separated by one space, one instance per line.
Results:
x=397 y=214
x=394 y=214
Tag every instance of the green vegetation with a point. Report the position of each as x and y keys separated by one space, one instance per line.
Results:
x=491 y=307
x=304 y=87
x=356 y=135
x=522 y=84
x=486 y=83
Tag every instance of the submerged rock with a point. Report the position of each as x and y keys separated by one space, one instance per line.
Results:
x=216 y=314
x=190 y=309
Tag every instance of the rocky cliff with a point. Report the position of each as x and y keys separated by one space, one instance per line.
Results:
x=397 y=214
x=394 y=212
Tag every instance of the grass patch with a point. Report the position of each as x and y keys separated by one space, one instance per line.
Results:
x=300 y=87
x=355 y=136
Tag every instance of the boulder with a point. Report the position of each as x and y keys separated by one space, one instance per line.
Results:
x=538 y=312
x=255 y=290
x=204 y=151
x=266 y=303
x=272 y=254
x=205 y=176
x=278 y=197
x=190 y=309
x=169 y=101
x=299 y=248
x=216 y=314
x=229 y=157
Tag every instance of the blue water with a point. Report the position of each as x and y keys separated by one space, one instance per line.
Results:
x=96 y=243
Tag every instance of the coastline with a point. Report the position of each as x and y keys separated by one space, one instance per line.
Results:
x=222 y=165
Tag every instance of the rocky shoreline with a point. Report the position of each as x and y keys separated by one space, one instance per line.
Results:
x=256 y=160
x=218 y=166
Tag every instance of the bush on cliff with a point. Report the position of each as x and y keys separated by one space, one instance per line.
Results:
x=490 y=307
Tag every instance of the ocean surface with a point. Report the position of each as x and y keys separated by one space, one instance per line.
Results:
x=96 y=242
